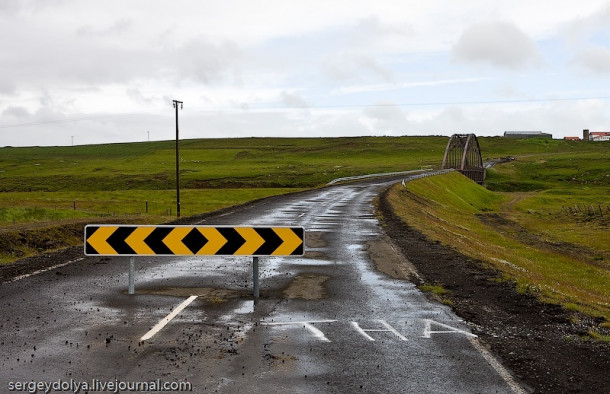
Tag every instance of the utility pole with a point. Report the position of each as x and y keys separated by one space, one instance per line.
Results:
x=176 y=102
x=72 y=140
x=148 y=132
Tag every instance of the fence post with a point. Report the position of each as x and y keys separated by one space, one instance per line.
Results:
x=255 y=276
x=132 y=274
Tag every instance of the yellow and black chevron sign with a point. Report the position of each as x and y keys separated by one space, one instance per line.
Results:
x=131 y=240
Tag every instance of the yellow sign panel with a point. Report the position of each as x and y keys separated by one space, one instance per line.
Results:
x=131 y=240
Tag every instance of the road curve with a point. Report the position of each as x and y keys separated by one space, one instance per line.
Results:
x=325 y=322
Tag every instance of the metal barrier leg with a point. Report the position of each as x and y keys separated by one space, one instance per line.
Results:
x=132 y=274
x=255 y=276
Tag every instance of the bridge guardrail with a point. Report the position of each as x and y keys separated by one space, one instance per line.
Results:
x=356 y=177
x=427 y=175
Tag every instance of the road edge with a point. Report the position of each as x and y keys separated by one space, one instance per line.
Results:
x=529 y=341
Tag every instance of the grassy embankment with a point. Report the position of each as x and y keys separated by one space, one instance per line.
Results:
x=523 y=225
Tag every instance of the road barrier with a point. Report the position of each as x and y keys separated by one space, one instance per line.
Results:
x=166 y=240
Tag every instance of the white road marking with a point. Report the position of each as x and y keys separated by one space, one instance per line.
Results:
x=226 y=214
x=15 y=279
x=450 y=330
x=168 y=318
x=308 y=324
x=303 y=214
x=388 y=327
x=504 y=374
x=497 y=366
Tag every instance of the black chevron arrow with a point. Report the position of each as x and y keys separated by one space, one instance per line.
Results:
x=300 y=232
x=118 y=237
x=272 y=241
x=234 y=241
x=155 y=240
x=89 y=230
x=194 y=240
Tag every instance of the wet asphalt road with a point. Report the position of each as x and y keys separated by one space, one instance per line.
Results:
x=311 y=330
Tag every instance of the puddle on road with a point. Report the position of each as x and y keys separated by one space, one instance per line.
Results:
x=307 y=287
x=355 y=247
x=207 y=294
x=245 y=307
x=307 y=262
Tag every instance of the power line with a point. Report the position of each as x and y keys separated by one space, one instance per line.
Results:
x=285 y=107
x=52 y=121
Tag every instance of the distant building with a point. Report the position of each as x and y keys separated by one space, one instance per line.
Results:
x=599 y=136
x=527 y=134
x=571 y=138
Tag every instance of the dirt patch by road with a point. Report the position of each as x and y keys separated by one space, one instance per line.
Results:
x=383 y=254
x=314 y=239
x=307 y=287
x=542 y=344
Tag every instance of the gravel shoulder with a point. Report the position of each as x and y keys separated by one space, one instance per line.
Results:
x=543 y=345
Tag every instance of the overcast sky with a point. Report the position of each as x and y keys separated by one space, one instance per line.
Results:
x=107 y=71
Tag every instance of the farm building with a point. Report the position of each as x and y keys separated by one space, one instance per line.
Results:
x=571 y=138
x=527 y=134
x=595 y=135
x=599 y=136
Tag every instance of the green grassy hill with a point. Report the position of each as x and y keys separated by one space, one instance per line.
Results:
x=247 y=162
x=210 y=163
x=51 y=185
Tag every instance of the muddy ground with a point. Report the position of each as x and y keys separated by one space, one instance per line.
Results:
x=545 y=346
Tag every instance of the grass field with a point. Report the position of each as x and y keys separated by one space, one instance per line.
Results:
x=211 y=163
x=50 y=185
x=28 y=207
x=248 y=162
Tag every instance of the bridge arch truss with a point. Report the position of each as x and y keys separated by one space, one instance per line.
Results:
x=463 y=153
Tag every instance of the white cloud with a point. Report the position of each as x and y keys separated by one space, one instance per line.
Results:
x=499 y=43
x=559 y=118
x=69 y=59
x=386 y=119
x=346 y=66
x=580 y=28
x=16 y=113
x=293 y=99
x=595 y=59
x=117 y=28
